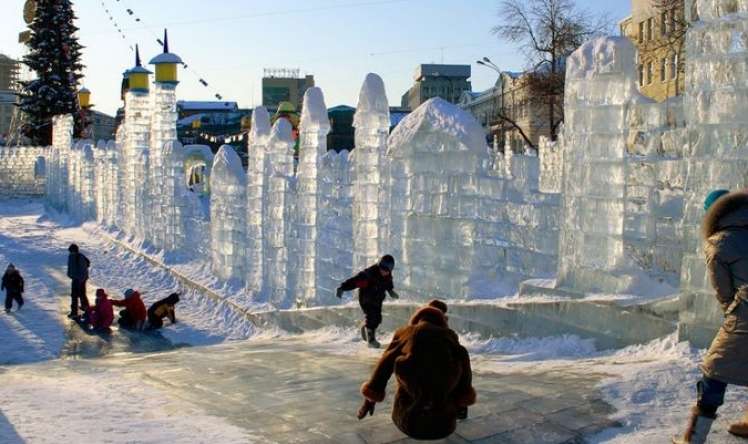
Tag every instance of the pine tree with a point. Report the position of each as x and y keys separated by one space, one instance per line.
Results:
x=55 y=58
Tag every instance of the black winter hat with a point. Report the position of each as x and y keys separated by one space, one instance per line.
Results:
x=387 y=262
x=73 y=248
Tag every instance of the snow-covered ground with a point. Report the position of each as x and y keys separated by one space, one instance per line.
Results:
x=651 y=385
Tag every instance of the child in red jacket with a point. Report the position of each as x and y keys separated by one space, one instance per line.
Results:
x=101 y=315
x=133 y=316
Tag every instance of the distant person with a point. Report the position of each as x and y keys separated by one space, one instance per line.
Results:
x=165 y=308
x=433 y=374
x=725 y=231
x=12 y=283
x=134 y=314
x=372 y=283
x=101 y=315
x=78 y=266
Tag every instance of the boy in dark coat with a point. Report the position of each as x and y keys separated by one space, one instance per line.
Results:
x=433 y=374
x=134 y=314
x=165 y=308
x=78 y=265
x=725 y=230
x=12 y=283
x=371 y=284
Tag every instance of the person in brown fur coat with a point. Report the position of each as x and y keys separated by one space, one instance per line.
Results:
x=433 y=374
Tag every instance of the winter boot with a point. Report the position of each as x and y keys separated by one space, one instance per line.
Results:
x=363 y=333
x=740 y=428
x=697 y=429
x=371 y=338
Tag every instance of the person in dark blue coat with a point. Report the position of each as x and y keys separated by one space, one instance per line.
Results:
x=12 y=283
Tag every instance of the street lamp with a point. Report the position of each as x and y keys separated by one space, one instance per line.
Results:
x=491 y=65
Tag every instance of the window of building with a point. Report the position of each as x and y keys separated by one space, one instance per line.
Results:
x=674 y=66
x=649 y=29
x=649 y=73
x=641 y=75
x=663 y=69
x=641 y=32
x=673 y=20
x=664 y=23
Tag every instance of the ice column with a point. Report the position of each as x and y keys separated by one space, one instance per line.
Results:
x=278 y=180
x=227 y=212
x=101 y=178
x=137 y=137
x=716 y=104
x=112 y=188
x=257 y=147
x=62 y=139
x=174 y=197
x=314 y=127
x=372 y=123
x=163 y=130
x=87 y=181
x=600 y=86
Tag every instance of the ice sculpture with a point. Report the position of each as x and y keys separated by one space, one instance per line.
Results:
x=227 y=212
x=372 y=126
x=135 y=162
x=313 y=145
x=174 y=198
x=278 y=182
x=435 y=152
x=256 y=151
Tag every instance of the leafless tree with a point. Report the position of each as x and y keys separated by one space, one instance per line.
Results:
x=546 y=31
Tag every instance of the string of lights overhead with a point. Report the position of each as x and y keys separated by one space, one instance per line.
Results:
x=135 y=17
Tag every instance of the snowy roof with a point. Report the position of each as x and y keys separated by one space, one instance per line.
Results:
x=436 y=115
x=165 y=57
x=207 y=105
x=138 y=70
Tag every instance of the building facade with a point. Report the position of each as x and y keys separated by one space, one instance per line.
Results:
x=445 y=81
x=508 y=101
x=658 y=28
x=9 y=70
x=284 y=85
x=103 y=125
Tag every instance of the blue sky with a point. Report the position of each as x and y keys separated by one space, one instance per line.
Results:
x=229 y=42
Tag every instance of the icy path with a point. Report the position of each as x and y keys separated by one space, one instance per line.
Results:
x=37 y=245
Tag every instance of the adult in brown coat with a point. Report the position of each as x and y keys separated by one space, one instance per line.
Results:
x=433 y=374
x=725 y=231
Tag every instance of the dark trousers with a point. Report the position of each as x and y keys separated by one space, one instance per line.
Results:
x=372 y=313
x=126 y=319
x=10 y=296
x=154 y=323
x=78 y=291
x=711 y=395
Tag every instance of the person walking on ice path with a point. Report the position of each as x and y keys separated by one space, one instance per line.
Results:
x=12 y=283
x=78 y=265
x=433 y=375
x=372 y=283
x=725 y=230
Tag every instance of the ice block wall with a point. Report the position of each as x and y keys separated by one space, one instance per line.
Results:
x=335 y=224
x=163 y=130
x=135 y=162
x=174 y=198
x=227 y=214
x=716 y=104
x=314 y=127
x=279 y=206
x=372 y=125
x=18 y=172
x=256 y=197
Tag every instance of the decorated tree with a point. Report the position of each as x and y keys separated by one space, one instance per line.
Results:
x=54 y=55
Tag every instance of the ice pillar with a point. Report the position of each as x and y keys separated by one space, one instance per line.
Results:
x=313 y=145
x=372 y=123
x=174 y=203
x=227 y=213
x=256 y=149
x=137 y=138
x=163 y=130
x=278 y=180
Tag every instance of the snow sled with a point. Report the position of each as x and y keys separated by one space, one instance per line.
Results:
x=87 y=328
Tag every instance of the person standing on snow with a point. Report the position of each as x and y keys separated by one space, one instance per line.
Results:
x=433 y=375
x=725 y=230
x=134 y=314
x=12 y=283
x=372 y=284
x=78 y=265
